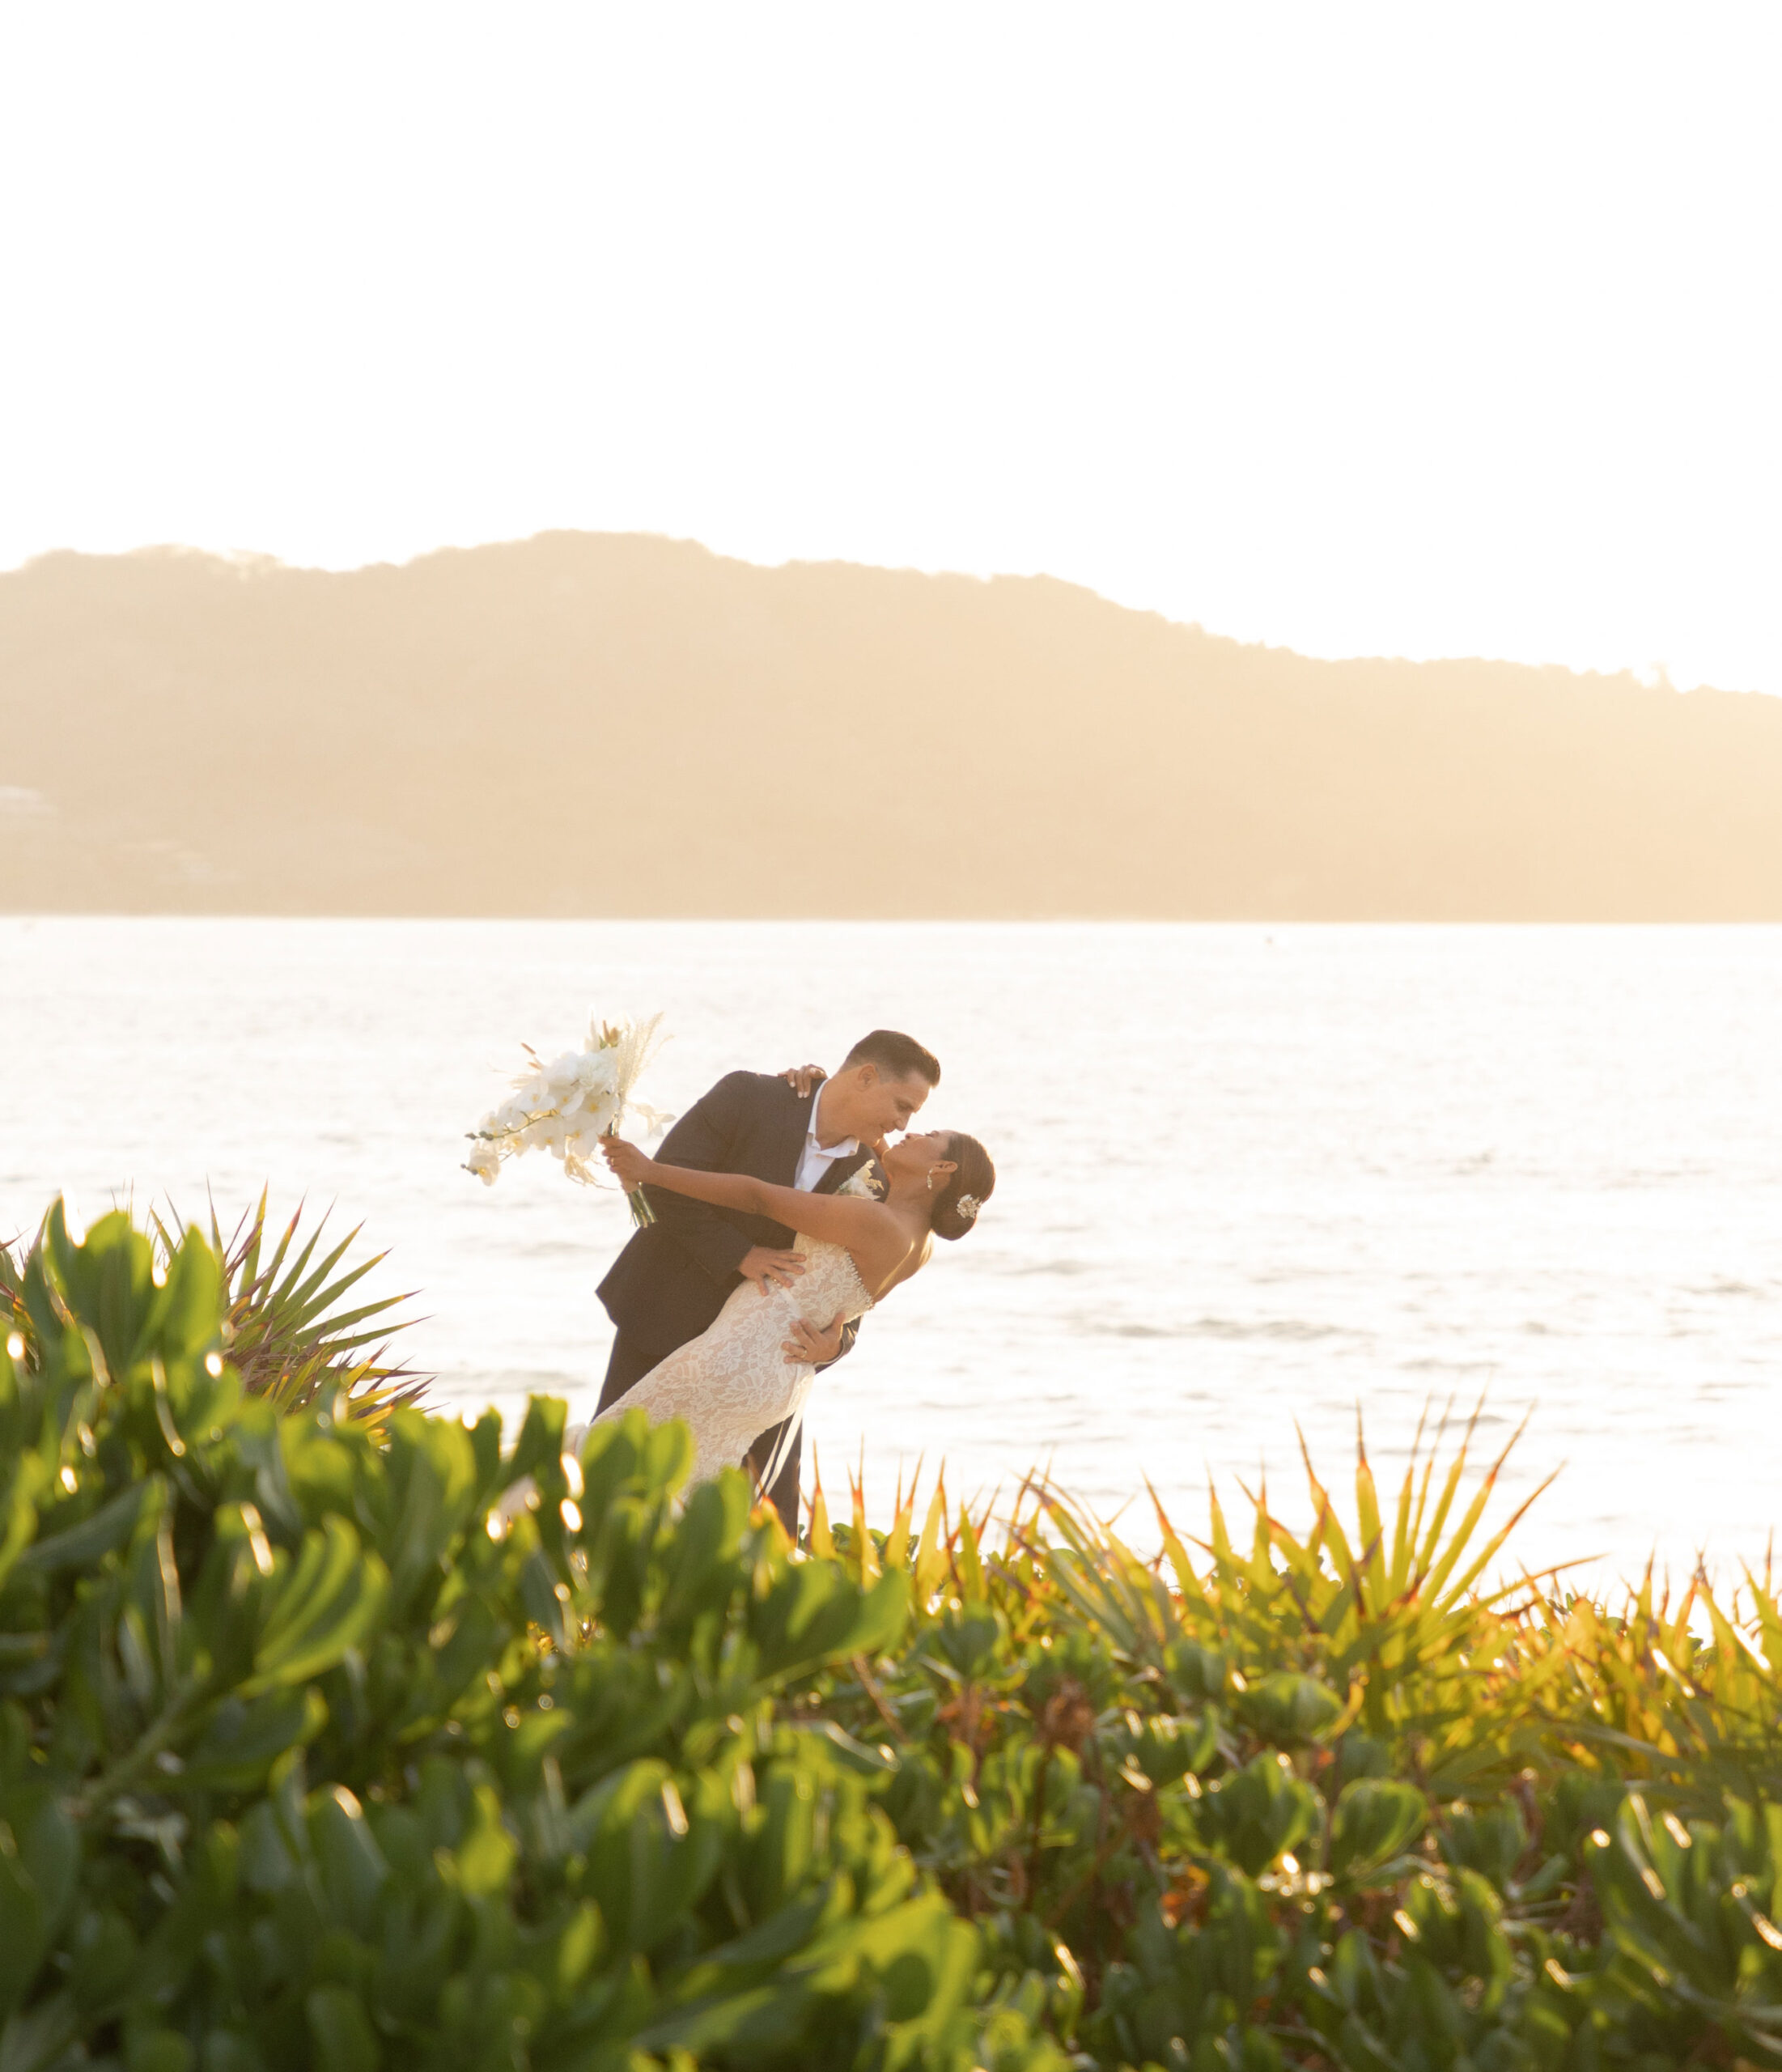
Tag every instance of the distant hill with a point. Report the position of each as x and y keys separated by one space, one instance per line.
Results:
x=590 y=723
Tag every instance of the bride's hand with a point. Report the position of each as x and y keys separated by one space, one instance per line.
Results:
x=804 y=1079
x=809 y=1347
x=630 y=1164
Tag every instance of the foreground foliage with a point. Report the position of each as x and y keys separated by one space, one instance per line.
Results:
x=1321 y=1801
x=287 y=1335
x=307 y=1758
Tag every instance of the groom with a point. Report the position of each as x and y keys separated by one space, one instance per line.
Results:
x=674 y=1276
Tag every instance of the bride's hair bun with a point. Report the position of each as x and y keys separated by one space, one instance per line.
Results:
x=962 y=1199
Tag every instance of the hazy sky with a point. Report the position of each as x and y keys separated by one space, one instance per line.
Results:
x=1422 y=330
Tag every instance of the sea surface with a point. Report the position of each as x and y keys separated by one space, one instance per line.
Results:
x=1253 y=1182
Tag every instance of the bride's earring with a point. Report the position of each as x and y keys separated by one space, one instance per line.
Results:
x=930 y=1183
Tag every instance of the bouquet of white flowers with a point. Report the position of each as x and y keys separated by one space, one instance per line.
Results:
x=567 y=1106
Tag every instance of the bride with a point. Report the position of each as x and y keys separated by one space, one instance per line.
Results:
x=735 y=1381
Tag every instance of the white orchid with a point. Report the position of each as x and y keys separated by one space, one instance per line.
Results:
x=566 y=1106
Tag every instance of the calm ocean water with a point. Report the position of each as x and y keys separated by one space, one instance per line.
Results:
x=1249 y=1177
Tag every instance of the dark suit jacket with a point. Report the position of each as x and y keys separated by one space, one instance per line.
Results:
x=675 y=1275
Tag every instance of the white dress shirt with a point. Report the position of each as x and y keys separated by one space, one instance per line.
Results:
x=816 y=1159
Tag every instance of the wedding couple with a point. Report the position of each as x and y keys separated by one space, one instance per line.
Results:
x=783 y=1215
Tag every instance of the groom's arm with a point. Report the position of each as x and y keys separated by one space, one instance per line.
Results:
x=705 y=1138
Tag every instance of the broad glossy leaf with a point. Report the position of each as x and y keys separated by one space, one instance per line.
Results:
x=1375 y=1820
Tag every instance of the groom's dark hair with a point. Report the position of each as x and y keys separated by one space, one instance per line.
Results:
x=897 y=1056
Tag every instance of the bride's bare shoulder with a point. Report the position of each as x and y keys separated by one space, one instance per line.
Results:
x=912 y=1262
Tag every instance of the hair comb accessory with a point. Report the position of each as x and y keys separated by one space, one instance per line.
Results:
x=967 y=1207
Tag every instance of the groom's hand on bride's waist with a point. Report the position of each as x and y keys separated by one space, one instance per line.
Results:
x=769 y=1269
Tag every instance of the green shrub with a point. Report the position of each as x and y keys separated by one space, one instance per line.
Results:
x=1329 y=1802
x=305 y=1759
x=308 y=1757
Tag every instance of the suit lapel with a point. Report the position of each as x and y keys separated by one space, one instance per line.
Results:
x=789 y=1143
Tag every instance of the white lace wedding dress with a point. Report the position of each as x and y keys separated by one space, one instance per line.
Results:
x=732 y=1383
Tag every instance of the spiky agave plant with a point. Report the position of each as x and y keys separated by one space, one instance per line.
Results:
x=15 y=1319
x=288 y=1336
x=1392 y=1629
